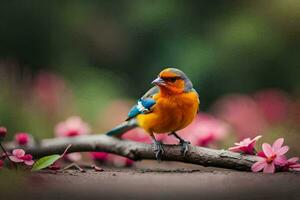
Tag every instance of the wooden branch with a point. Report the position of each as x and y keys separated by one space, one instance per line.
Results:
x=139 y=151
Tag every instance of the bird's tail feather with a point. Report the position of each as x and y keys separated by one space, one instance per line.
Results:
x=122 y=128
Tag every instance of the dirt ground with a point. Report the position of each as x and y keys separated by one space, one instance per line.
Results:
x=152 y=180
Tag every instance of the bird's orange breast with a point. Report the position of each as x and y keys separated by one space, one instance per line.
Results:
x=170 y=113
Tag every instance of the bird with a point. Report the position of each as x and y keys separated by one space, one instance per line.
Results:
x=169 y=106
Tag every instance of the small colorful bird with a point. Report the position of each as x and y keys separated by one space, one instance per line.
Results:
x=169 y=106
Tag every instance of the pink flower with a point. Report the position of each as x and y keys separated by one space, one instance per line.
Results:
x=3 y=132
x=19 y=156
x=246 y=145
x=22 y=138
x=274 y=156
x=73 y=126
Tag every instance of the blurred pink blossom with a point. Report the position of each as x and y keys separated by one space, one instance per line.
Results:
x=112 y=159
x=3 y=132
x=137 y=135
x=99 y=156
x=246 y=145
x=73 y=157
x=274 y=156
x=274 y=105
x=243 y=113
x=19 y=156
x=73 y=126
x=204 y=130
x=22 y=138
x=168 y=139
x=119 y=161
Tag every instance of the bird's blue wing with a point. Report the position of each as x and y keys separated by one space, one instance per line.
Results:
x=144 y=104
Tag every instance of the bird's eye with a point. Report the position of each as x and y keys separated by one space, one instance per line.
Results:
x=172 y=79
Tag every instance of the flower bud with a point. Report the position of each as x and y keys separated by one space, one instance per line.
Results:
x=22 y=138
x=3 y=132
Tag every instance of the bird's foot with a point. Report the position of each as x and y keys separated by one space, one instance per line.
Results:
x=184 y=146
x=158 y=150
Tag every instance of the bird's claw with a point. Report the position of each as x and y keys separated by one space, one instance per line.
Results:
x=158 y=150
x=184 y=147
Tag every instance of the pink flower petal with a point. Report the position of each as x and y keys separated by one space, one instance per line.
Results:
x=267 y=149
x=15 y=159
x=18 y=152
x=282 y=150
x=258 y=166
x=257 y=138
x=235 y=149
x=269 y=168
x=293 y=160
x=280 y=160
x=295 y=167
x=29 y=162
x=278 y=144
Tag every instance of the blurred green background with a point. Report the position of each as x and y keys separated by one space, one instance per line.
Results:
x=63 y=58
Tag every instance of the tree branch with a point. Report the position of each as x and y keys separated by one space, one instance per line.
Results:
x=139 y=151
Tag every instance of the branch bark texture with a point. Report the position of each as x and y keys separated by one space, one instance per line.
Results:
x=138 y=151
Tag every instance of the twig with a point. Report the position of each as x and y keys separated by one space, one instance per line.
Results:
x=6 y=154
x=71 y=166
x=139 y=151
x=65 y=151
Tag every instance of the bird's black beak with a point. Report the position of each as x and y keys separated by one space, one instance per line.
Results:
x=159 y=81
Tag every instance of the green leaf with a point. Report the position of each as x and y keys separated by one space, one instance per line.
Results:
x=45 y=162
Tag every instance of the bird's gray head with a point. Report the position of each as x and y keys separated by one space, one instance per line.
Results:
x=174 y=80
